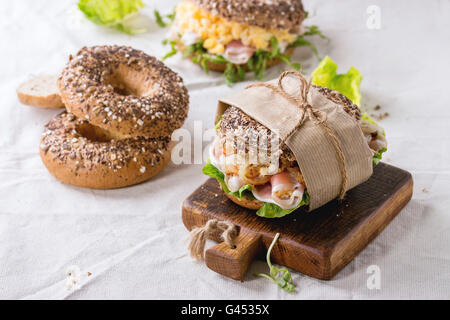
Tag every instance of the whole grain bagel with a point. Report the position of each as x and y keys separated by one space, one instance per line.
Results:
x=124 y=91
x=80 y=154
x=274 y=14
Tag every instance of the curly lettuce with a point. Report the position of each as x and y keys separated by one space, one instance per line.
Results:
x=111 y=13
x=268 y=210
x=325 y=75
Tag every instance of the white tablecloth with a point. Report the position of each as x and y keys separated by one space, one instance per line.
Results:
x=132 y=240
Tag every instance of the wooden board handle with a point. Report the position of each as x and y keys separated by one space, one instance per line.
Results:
x=234 y=262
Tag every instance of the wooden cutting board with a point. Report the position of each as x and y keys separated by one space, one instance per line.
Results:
x=318 y=243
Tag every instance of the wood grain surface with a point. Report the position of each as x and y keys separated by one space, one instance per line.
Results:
x=318 y=243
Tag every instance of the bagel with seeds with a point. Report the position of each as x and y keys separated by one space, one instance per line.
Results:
x=122 y=107
x=80 y=154
x=124 y=91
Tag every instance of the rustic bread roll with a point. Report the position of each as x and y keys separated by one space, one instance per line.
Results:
x=80 y=154
x=124 y=91
x=40 y=92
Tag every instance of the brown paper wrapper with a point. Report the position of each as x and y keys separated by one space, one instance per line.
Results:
x=310 y=145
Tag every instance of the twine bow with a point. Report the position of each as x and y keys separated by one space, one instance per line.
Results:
x=199 y=235
x=317 y=116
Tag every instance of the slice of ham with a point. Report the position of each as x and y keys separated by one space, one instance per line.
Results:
x=286 y=191
x=263 y=192
x=282 y=190
x=238 y=53
x=282 y=181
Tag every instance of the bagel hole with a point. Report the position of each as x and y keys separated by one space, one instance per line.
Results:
x=127 y=82
x=94 y=133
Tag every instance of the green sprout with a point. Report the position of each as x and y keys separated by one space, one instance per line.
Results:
x=280 y=276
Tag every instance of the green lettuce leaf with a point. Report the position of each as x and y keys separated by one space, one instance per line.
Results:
x=244 y=191
x=111 y=13
x=164 y=20
x=325 y=75
x=270 y=210
x=377 y=156
x=217 y=125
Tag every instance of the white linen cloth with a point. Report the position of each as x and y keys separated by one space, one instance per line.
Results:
x=131 y=240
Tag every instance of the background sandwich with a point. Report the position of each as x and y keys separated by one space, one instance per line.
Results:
x=238 y=36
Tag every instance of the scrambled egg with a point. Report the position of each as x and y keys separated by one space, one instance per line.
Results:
x=218 y=32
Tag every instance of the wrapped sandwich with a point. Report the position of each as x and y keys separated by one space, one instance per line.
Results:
x=259 y=169
x=238 y=36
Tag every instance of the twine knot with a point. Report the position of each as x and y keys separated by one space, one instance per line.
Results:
x=318 y=117
x=199 y=235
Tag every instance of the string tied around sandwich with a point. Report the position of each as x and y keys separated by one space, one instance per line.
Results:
x=318 y=117
x=198 y=236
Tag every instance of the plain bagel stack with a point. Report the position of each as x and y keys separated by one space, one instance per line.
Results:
x=122 y=107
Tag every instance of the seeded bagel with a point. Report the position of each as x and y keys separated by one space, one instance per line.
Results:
x=80 y=154
x=124 y=91
x=274 y=14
